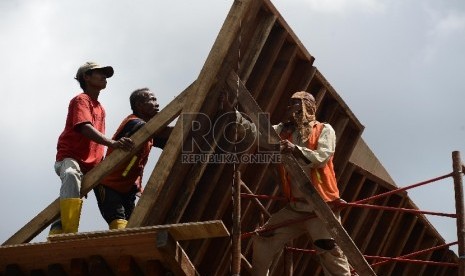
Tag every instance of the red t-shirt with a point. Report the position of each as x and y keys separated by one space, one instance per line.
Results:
x=72 y=144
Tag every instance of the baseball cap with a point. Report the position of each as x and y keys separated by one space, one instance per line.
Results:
x=90 y=65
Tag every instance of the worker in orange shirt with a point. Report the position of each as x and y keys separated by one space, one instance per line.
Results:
x=116 y=193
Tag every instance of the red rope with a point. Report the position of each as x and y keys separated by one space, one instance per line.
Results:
x=412 y=261
x=343 y=204
x=245 y=195
x=413 y=254
x=386 y=259
x=414 y=211
x=403 y=189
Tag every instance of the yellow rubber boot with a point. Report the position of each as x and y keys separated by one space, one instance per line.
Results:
x=70 y=211
x=118 y=224
x=55 y=228
x=55 y=231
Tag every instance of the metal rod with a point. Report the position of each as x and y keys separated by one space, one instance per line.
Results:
x=458 y=187
x=236 y=229
x=289 y=260
x=256 y=201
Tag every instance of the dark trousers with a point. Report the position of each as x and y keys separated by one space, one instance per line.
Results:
x=114 y=205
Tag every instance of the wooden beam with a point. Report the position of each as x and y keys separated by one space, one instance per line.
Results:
x=261 y=34
x=92 y=178
x=322 y=210
x=180 y=231
x=173 y=255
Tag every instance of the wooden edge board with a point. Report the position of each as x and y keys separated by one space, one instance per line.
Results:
x=179 y=231
x=142 y=247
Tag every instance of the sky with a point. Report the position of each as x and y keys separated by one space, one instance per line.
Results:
x=398 y=64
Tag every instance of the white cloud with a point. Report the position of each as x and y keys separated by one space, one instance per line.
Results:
x=448 y=25
x=445 y=26
x=341 y=6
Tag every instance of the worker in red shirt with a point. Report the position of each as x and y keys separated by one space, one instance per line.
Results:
x=116 y=193
x=82 y=143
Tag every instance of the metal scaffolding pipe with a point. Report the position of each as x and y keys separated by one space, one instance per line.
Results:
x=236 y=228
x=458 y=187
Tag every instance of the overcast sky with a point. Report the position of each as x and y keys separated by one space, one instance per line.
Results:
x=398 y=64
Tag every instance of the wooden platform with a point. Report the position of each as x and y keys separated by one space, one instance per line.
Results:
x=136 y=251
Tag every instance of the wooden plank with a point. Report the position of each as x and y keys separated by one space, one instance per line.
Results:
x=110 y=248
x=266 y=60
x=204 y=83
x=180 y=231
x=173 y=255
x=262 y=31
x=321 y=208
x=92 y=178
x=279 y=78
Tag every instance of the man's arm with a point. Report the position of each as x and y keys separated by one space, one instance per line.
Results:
x=93 y=134
x=325 y=148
